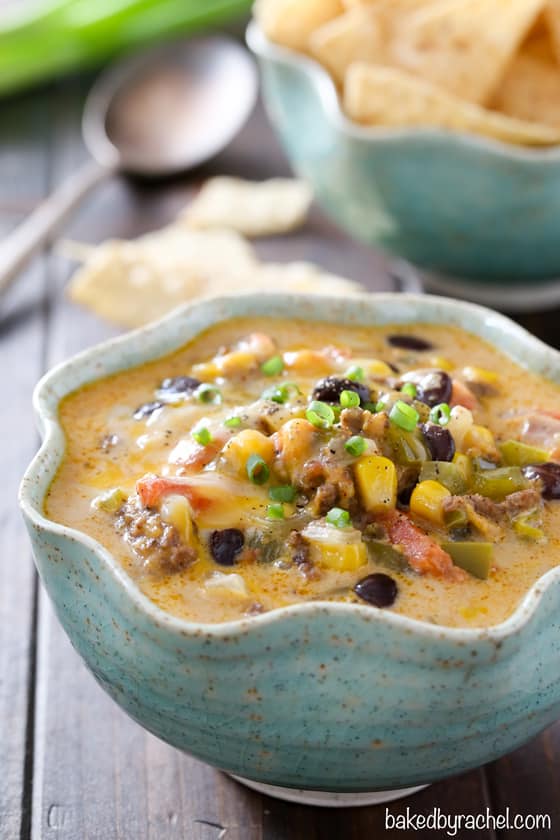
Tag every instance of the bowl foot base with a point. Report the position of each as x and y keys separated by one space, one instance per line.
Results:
x=532 y=296
x=327 y=799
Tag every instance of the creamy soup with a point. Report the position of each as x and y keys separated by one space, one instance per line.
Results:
x=407 y=468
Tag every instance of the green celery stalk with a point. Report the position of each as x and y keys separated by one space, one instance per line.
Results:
x=78 y=33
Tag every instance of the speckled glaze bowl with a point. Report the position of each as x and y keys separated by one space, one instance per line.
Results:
x=455 y=204
x=322 y=696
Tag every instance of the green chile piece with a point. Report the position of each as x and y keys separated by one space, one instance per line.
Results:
x=382 y=552
x=446 y=473
x=499 y=482
x=407 y=448
x=517 y=454
x=476 y=558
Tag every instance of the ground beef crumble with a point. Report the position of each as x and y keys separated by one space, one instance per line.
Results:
x=155 y=544
x=497 y=511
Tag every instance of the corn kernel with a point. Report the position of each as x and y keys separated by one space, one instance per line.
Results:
x=427 y=501
x=341 y=549
x=295 y=441
x=479 y=440
x=206 y=371
x=341 y=558
x=373 y=367
x=441 y=362
x=464 y=464
x=481 y=375
x=307 y=361
x=245 y=443
x=376 y=477
x=176 y=511
x=238 y=361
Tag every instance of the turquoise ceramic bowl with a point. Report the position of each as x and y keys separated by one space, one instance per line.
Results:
x=325 y=696
x=455 y=204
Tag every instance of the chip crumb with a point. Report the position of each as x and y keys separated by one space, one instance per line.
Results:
x=252 y=208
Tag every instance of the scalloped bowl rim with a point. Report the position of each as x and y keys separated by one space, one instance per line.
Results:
x=329 y=98
x=52 y=433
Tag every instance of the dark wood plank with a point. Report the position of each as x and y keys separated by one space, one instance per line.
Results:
x=23 y=178
x=528 y=782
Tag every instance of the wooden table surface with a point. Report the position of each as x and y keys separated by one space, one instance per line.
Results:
x=72 y=765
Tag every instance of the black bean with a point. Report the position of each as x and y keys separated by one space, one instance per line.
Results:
x=180 y=385
x=225 y=545
x=439 y=441
x=405 y=494
x=409 y=342
x=330 y=388
x=147 y=409
x=549 y=475
x=378 y=589
x=433 y=387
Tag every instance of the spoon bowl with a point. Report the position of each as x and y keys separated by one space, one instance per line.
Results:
x=171 y=109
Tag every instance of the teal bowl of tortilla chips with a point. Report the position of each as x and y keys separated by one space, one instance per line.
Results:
x=453 y=203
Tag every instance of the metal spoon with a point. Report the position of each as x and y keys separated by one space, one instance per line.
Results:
x=158 y=114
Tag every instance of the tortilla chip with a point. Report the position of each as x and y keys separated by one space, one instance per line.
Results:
x=354 y=36
x=464 y=45
x=395 y=8
x=552 y=17
x=530 y=89
x=253 y=208
x=291 y=22
x=386 y=97
x=303 y=277
x=132 y=283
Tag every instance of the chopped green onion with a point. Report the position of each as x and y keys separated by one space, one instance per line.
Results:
x=356 y=445
x=349 y=399
x=273 y=366
x=356 y=373
x=280 y=393
x=232 y=422
x=338 y=517
x=207 y=393
x=257 y=469
x=369 y=406
x=404 y=416
x=202 y=436
x=440 y=414
x=275 y=511
x=110 y=501
x=380 y=406
x=409 y=388
x=320 y=414
x=283 y=493
x=525 y=526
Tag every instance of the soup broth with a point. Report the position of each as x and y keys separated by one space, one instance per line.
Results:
x=410 y=468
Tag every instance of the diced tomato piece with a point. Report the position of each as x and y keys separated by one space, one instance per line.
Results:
x=194 y=456
x=422 y=552
x=462 y=395
x=152 y=488
x=549 y=412
x=540 y=428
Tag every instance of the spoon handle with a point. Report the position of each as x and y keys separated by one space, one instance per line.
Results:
x=38 y=228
